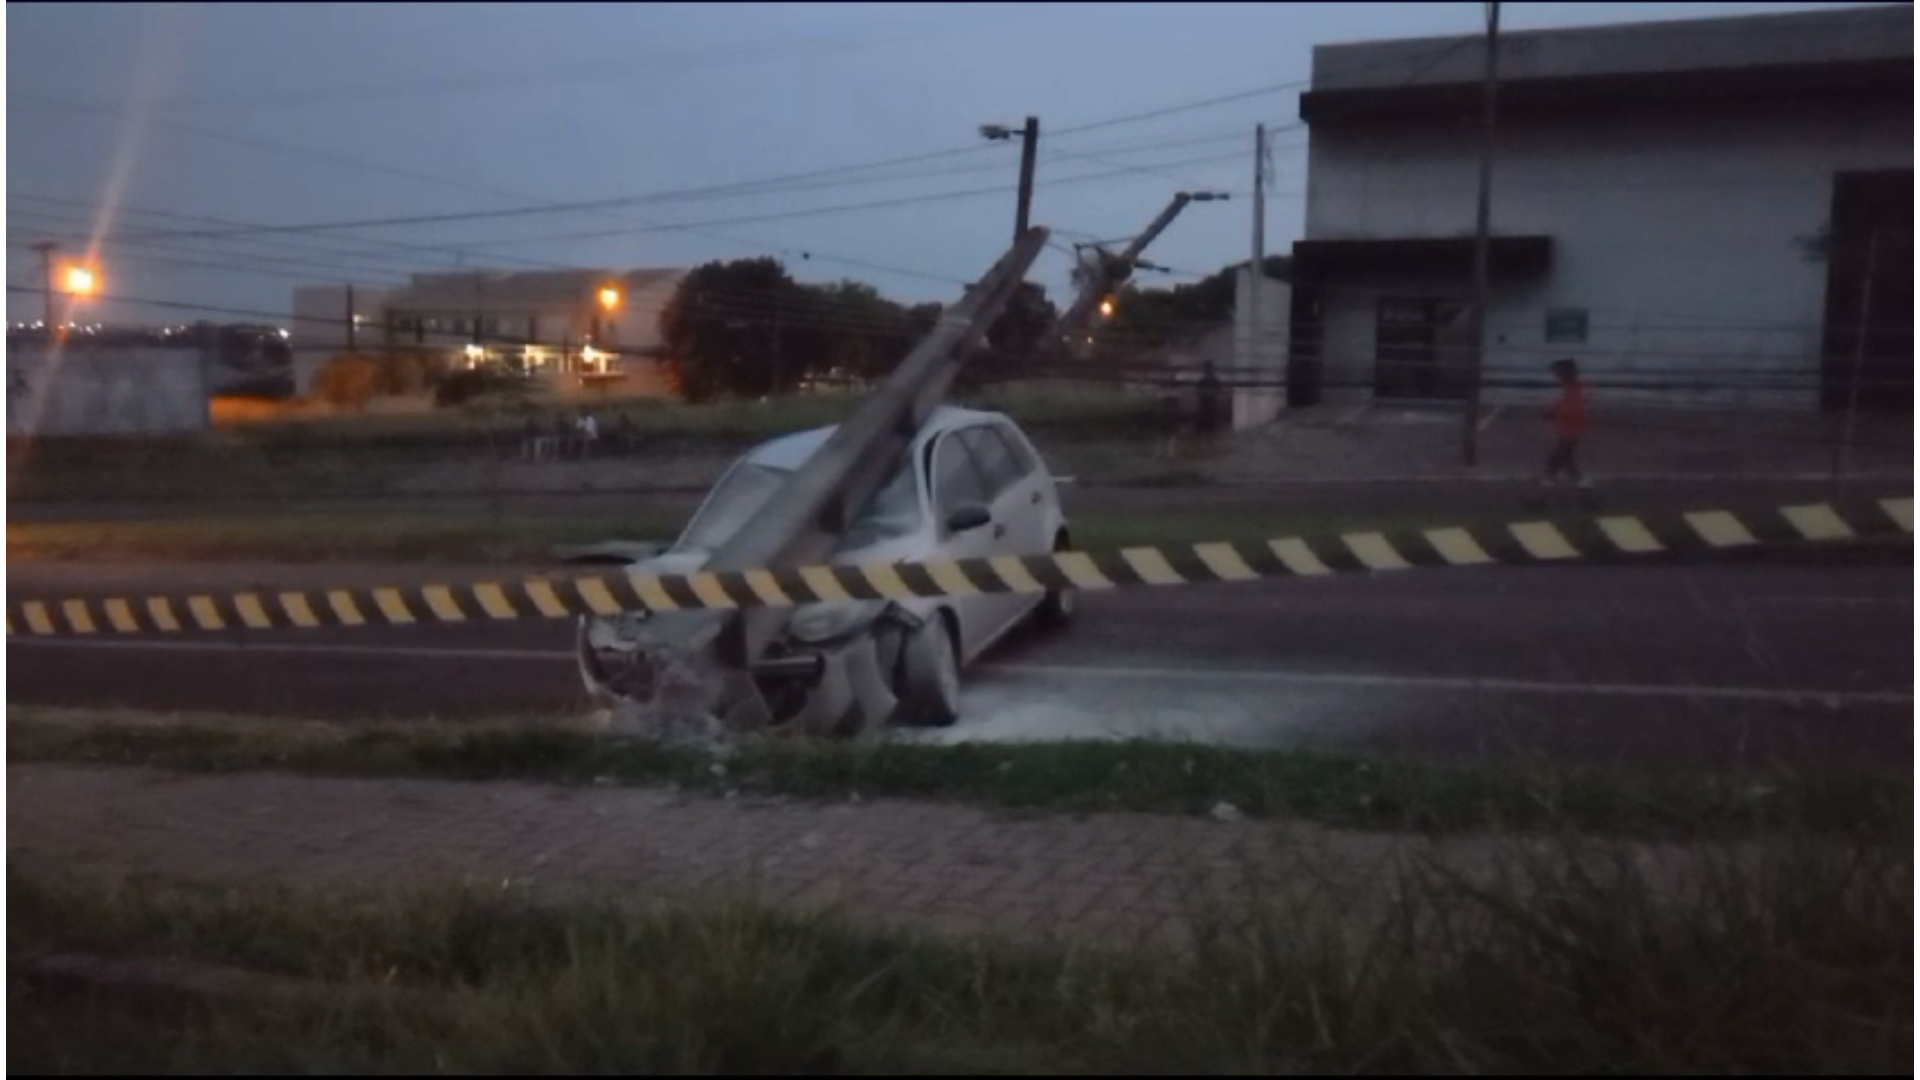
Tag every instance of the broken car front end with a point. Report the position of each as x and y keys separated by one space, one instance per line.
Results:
x=830 y=670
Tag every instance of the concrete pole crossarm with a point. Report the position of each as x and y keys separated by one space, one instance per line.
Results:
x=1116 y=270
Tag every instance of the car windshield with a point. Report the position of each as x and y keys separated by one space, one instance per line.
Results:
x=894 y=511
x=741 y=494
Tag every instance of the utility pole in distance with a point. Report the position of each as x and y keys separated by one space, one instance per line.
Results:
x=1259 y=242
x=1029 y=148
x=1482 y=242
x=1029 y=145
x=46 y=248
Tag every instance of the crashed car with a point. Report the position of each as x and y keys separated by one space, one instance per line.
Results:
x=970 y=486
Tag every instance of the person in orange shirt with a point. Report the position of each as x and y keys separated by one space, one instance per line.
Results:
x=1569 y=417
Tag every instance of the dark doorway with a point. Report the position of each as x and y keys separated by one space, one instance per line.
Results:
x=1421 y=347
x=1868 y=248
x=1304 y=352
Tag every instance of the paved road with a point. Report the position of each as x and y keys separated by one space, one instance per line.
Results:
x=1702 y=666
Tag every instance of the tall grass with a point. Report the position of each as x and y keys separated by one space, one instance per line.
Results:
x=1557 y=956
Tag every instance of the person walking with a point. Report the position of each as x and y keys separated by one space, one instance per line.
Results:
x=1211 y=396
x=1569 y=418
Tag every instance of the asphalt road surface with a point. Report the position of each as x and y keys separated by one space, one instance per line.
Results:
x=1702 y=666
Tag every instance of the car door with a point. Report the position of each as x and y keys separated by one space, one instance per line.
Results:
x=1021 y=498
x=957 y=483
x=1014 y=531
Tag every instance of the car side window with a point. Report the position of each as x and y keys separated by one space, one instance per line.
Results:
x=957 y=481
x=1001 y=458
x=996 y=459
x=1025 y=463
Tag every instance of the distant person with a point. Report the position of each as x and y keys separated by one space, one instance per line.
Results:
x=589 y=432
x=1569 y=419
x=625 y=434
x=1168 y=418
x=1211 y=396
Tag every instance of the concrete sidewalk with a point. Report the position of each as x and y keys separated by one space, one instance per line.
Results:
x=1115 y=877
x=1389 y=444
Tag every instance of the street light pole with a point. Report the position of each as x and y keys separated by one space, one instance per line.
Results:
x=1482 y=242
x=1029 y=145
x=46 y=248
x=1029 y=148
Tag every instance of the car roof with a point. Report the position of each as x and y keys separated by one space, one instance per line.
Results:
x=789 y=452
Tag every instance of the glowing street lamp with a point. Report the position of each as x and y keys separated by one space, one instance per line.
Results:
x=79 y=281
x=609 y=297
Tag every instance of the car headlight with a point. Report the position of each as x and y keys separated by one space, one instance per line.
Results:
x=822 y=622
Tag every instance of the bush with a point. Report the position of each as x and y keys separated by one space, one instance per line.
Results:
x=457 y=388
x=347 y=382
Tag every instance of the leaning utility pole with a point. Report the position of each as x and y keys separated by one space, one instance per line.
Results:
x=1112 y=271
x=1470 y=431
x=1029 y=145
x=46 y=248
x=350 y=319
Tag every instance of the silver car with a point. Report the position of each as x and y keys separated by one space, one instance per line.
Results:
x=971 y=486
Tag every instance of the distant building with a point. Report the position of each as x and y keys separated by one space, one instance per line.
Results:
x=1686 y=207
x=567 y=325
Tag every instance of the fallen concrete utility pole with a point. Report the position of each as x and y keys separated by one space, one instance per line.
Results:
x=806 y=517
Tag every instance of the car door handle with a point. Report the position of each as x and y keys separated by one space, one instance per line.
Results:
x=999 y=531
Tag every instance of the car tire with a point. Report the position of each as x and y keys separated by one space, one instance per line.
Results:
x=929 y=676
x=1056 y=609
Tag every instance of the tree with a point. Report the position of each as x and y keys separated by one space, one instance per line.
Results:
x=1147 y=319
x=1015 y=339
x=850 y=330
x=727 y=327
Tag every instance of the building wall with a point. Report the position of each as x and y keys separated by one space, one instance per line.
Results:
x=1675 y=233
x=105 y=390
x=1259 y=351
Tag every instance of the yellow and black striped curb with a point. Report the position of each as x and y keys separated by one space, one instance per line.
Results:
x=1601 y=538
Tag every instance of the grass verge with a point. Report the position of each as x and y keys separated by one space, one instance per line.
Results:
x=1794 y=960
x=1081 y=777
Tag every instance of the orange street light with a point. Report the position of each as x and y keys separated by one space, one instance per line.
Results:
x=609 y=297
x=79 y=280
x=1106 y=307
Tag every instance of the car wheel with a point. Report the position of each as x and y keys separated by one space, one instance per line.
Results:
x=1057 y=608
x=929 y=678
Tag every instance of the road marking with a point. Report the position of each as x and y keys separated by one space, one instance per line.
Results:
x=1131 y=674
x=428 y=652
x=1442 y=682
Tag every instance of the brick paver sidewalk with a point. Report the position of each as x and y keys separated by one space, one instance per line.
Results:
x=945 y=867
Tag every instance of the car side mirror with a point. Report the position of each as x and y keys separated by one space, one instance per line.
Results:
x=968 y=518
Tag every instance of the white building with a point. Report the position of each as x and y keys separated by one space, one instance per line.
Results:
x=569 y=325
x=1654 y=192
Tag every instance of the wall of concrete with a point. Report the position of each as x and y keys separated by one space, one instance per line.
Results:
x=105 y=390
x=1259 y=348
x=1676 y=234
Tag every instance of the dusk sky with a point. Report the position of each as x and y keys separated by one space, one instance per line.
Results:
x=296 y=114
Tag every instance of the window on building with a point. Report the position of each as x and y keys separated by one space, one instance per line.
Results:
x=1566 y=326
